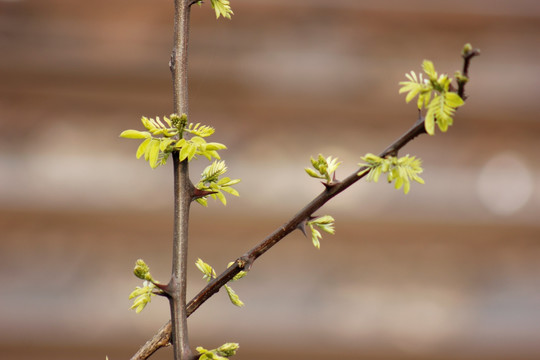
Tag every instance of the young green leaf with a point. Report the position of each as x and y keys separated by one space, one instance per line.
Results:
x=188 y=151
x=207 y=270
x=222 y=7
x=233 y=297
x=429 y=69
x=153 y=153
x=142 y=148
x=134 y=134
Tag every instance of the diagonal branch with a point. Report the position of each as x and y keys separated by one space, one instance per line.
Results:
x=245 y=261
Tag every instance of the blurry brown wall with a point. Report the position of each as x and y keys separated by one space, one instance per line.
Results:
x=448 y=271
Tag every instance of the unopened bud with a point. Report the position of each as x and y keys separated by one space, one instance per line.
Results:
x=466 y=49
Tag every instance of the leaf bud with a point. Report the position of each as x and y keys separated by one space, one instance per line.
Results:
x=142 y=271
x=228 y=349
x=467 y=48
x=178 y=121
x=461 y=78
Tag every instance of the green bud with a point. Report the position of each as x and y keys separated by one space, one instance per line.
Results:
x=461 y=78
x=142 y=271
x=467 y=48
x=178 y=121
x=228 y=349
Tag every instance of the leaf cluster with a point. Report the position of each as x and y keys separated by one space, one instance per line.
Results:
x=323 y=168
x=435 y=94
x=324 y=223
x=222 y=7
x=174 y=133
x=214 y=185
x=209 y=274
x=402 y=170
x=143 y=295
x=223 y=352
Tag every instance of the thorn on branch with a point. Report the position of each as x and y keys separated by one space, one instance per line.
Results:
x=302 y=225
x=198 y=193
x=164 y=288
x=331 y=184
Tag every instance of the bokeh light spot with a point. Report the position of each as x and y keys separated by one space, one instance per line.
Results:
x=504 y=184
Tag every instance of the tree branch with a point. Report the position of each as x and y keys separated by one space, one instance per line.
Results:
x=183 y=189
x=245 y=262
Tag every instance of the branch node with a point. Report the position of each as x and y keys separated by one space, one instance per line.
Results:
x=245 y=262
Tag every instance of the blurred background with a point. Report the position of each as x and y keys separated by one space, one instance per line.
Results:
x=449 y=271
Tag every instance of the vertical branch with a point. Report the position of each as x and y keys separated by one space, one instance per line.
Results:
x=183 y=188
x=178 y=63
x=178 y=283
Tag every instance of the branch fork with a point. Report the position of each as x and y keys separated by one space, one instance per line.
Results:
x=185 y=193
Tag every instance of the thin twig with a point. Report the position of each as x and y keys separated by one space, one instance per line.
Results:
x=467 y=57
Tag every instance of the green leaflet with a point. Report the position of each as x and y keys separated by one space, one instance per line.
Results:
x=134 y=134
x=142 y=148
x=188 y=151
x=153 y=153
x=429 y=69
